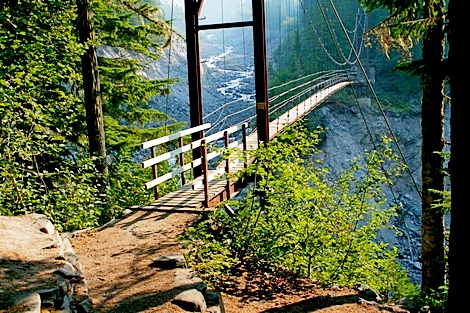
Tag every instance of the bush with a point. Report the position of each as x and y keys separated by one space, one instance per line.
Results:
x=295 y=218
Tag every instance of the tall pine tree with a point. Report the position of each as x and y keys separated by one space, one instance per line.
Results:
x=410 y=20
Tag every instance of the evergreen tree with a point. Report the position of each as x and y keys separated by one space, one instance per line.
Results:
x=92 y=91
x=42 y=165
x=459 y=166
x=131 y=34
x=410 y=20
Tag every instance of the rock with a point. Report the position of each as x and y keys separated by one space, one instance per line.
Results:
x=425 y=309
x=44 y=224
x=26 y=303
x=407 y=304
x=214 y=302
x=191 y=300
x=169 y=261
x=50 y=298
x=126 y=212
x=69 y=255
x=367 y=293
x=417 y=265
x=70 y=272
x=189 y=279
x=86 y=306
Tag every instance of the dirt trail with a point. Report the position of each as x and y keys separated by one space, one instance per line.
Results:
x=116 y=263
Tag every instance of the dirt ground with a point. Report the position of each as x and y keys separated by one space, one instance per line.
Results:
x=116 y=262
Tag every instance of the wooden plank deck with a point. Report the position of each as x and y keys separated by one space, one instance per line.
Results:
x=188 y=199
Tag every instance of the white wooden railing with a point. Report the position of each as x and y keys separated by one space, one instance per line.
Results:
x=206 y=156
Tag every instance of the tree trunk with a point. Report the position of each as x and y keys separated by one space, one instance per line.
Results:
x=459 y=166
x=92 y=91
x=432 y=124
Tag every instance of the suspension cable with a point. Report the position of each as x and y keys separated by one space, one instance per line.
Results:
x=379 y=106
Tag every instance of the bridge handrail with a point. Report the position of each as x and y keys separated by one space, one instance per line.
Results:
x=202 y=161
x=189 y=131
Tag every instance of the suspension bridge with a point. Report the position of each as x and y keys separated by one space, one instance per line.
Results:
x=247 y=124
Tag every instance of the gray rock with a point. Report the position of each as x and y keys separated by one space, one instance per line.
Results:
x=189 y=279
x=86 y=306
x=425 y=309
x=169 y=261
x=69 y=254
x=126 y=212
x=191 y=300
x=51 y=298
x=367 y=293
x=70 y=272
x=45 y=226
x=66 y=305
x=214 y=302
x=26 y=303
x=417 y=265
x=407 y=304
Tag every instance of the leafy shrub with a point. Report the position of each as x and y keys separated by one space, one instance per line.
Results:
x=296 y=218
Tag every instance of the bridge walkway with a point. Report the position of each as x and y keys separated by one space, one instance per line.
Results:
x=191 y=196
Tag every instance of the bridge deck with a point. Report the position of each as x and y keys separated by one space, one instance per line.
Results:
x=188 y=199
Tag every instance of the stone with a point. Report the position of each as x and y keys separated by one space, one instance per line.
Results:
x=188 y=278
x=69 y=271
x=214 y=302
x=191 y=300
x=417 y=265
x=169 y=261
x=126 y=212
x=68 y=253
x=45 y=226
x=66 y=307
x=408 y=304
x=425 y=309
x=86 y=306
x=80 y=289
x=367 y=293
x=26 y=303
x=50 y=298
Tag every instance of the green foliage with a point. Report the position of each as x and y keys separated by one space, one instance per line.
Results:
x=318 y=229
x=44 y=166
x=211 y=254
x=408 y=21
x=133 y=33
x=41 y=121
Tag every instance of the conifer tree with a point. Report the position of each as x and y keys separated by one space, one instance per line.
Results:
x=92 y=90
x=410 y=20
x=131 y=35
x=44 y=164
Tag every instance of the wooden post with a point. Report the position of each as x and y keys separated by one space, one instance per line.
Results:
x=205 y=173
x=297 y=112
x=227 y=164
x=183 y=174
x=244 y=143
x=155 y=171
